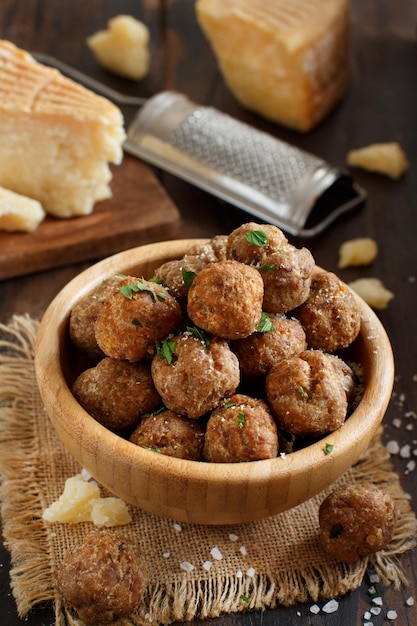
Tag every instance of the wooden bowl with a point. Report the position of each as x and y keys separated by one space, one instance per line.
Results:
x=190 y=491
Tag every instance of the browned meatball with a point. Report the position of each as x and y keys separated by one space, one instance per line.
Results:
x=116 y=393
x=103 y=579
x=192 y=377
x=287 y=277
x=171 y=274
x=254 y=243
x=132 y=319
x=355 y=521
x=212 y=251
x=242 y=429
x=225 y=299
x=261 y=350
x=330 y=316
x=170 y=434
x=306 y=394
x=84 y=314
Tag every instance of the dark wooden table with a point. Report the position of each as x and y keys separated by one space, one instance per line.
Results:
x=381 y=106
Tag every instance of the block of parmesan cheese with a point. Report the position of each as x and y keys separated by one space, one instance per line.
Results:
x=19 y=212
x=57 y=138
x=286 y=60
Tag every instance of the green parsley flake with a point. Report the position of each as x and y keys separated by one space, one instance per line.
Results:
x=187 y=277
x=328 y=448
x=265 y=324
x=244 y=598
x=240 y=419
x=301 y=392
x=197 y=332
x=257 y=238
x=267 y=267
x=166 y=350
x=229 y=404
x=140 y=285
x=152 y=449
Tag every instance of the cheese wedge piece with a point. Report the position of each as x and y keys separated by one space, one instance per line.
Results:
x=19 y=213
x=287 y=60
x=123 y=47
x=56 y=137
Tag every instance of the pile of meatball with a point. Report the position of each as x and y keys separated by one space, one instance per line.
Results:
x=229 y=354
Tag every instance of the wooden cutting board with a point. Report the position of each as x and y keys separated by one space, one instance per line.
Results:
x=139 y=212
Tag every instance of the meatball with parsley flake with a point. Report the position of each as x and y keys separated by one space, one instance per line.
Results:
x=356 y=521
x=330 y=317
x=307 y=394
x=254 y=243
x=177 y=275
x=286 y=270
x=132 y=319
x=193 y=372
x=225 y=299
x=277 y=338
x=241 y=429
x=103 y=579
x=168 y=433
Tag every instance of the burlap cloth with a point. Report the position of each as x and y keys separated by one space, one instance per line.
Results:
x=263 y=564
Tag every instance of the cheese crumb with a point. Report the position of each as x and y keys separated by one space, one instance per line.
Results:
x=123 y=47
x=359 y=251
x=18 y=212
x=372 y=291
x=80 y=501
x=384 y=158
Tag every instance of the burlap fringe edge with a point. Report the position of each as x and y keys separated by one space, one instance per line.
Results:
x=187 y=600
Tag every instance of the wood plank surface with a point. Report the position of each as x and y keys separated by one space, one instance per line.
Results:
x=139 y=211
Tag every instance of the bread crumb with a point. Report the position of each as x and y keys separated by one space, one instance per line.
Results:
x=383 y=158
x=372 y=291
x=123 y=48
x=360 y=251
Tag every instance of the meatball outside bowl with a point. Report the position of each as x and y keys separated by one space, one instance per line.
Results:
x=195 y=491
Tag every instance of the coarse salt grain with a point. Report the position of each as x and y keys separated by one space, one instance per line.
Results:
x=393 y=447
x=368 y=624
x=330 y=607
x=396 y=422
x=377 y=601
x=166 y=555
x=233 y=537
x=186 y=566
x=250 y=572
x=374 y=578
x=410 y=601
x=376 y=610
x=411 y=466
x=392 y=615
x=177 y=527
x=216 y=554
x=367 y=615
x=207 y=565
x=243 y=550
x=314 y=608
x=405 y=451
x=239 y=573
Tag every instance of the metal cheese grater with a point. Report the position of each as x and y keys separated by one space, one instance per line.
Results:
x=262 y=175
